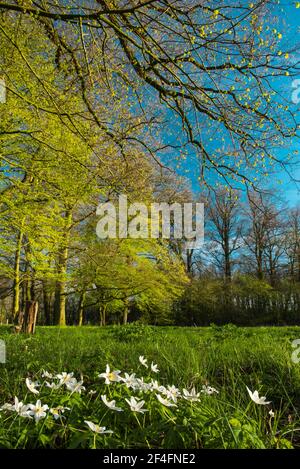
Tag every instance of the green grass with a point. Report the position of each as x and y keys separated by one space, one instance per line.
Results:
x=227 y=358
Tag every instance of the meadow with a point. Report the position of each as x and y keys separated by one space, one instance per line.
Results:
x=213 y=365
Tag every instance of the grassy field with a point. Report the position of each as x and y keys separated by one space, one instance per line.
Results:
x=227 y=358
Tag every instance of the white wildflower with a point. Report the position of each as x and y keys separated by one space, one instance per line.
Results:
x=143 y=361
x=110 y=376
x=155 y=386
x=96 y=428
x=65 y=378
x=32 y=385
x=75 y=386
x=52 y=385
x=142 y=386
x=7 y=406
x=46 y=374
x=18 y=407
x=130 y=381
x=136 y=405
x=154 y=368
x=110 y=404
x=172 y=393
x=192 y=395
x=258 y=400
x=58 y=411
x=38 y=411
x=209 y=390
x=165 y=402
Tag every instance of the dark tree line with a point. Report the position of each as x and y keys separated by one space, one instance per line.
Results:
x=249 y=270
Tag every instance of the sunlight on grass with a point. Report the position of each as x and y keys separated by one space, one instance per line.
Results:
x=172 y=388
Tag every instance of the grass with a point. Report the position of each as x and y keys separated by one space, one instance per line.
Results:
x=227 y=358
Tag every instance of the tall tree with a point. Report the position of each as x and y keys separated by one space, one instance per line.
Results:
x=224 y=228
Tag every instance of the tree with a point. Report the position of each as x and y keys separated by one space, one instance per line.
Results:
x=224 y=229
x=213 y=66
x=91 y=90
x=264 y=234
x=53 y=163
x=292 y=243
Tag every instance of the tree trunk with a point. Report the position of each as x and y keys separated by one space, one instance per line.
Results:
x=298 y=256
x=81 y=308
x=227 y=269
x=47 y=303
x=32 y=289
x=30 y=317
x=125 y=312
x=28 y=283
x=227 y=257
x=103 y=314
x=259 y=260
x=60 y=289
x=60 y=303
x=27 y=319
x=16 y=283
x=189 y=260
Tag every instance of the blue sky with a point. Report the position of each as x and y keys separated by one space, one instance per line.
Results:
x=287 y=20
x=291 y=20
